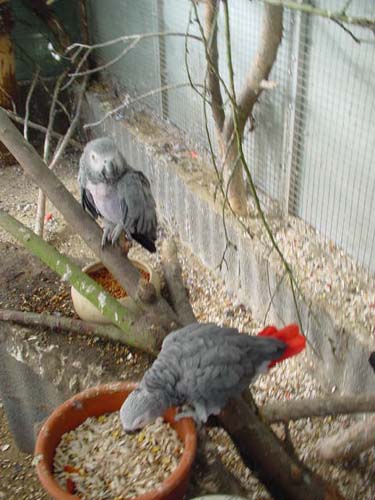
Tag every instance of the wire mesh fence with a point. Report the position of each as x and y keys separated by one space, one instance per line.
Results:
x=313 y=145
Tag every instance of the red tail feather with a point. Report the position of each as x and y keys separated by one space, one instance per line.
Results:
x=291 y=335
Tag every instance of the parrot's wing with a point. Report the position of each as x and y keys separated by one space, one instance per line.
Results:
x=138 y=208
x=87 y=200
x=183 y=335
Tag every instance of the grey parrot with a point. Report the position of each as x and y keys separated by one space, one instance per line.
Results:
x=121 y=195
x=202 y=366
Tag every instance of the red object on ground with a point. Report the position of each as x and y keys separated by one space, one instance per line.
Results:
x=48 y=217
x=291 y=335
x=96 y=401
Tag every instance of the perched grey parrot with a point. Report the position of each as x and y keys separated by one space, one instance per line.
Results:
x=203 y=366
x=113 y=190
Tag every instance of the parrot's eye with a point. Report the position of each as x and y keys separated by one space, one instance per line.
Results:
x=93 y=157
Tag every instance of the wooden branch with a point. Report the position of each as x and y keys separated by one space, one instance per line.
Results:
x=341 y=17
x=303 y=408
x=173 y=276
x=67 y=324
x=159 y=316
x=281 y=472
x=212 y=55
x=107 y=305
x=36 y=126
x=125 y=105
x=41 y=205
x=348 y=443
x=270 y=39
x=28 y=100
x=72 y=127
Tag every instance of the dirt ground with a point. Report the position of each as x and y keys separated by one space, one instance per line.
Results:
x=28 y=285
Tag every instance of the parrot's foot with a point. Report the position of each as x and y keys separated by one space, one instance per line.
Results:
x=107 y=231
x=187 y=413
x=116 y=231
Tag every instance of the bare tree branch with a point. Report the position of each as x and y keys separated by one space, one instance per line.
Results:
x=111 y=62
x=125 y=38
x=211 y=14
x=41 y=206
x=27 y=103
x=304 y=408
x=348 y=443
x=72 y=127
x=62 y=323
x=137 y=99
x=36 y=126
x=283 y=474
x=340 y=16
x=270 y=38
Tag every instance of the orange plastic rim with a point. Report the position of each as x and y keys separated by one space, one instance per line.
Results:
x=96 y=401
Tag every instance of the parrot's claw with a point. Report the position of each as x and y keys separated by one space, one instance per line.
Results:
x=106 y=238
x=187 y=413
x=117 y=230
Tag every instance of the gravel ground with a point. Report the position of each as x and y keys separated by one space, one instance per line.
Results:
x=211 y=303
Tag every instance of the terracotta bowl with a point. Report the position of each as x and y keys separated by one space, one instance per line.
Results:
x=96 y=401
x=88 y=312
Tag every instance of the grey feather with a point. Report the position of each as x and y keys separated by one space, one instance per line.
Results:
x=121 y=195
x=203 y=366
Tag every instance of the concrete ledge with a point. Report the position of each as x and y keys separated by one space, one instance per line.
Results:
x=184 y=193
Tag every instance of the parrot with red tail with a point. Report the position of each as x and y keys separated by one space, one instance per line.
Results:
x=202 y=366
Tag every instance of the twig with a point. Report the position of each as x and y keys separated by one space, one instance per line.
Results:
x=10 y=98
x=137 y=99
x=78 y=67
x=348 y=443
x=73 y=124
x=129 y=37
x=27 y=104
x=63 y=323
x=58 y=101
x=41 y=207
x=111 y=62
x=341 y=17
x=305 y=408
x=347 y=30
x=36 y=126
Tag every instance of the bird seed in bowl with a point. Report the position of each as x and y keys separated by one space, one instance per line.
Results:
x=98 y=460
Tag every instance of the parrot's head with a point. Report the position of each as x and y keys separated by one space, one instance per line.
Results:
x=104 y=162
x=142 y=407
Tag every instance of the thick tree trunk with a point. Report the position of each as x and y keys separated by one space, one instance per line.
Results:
x=270 y=38
x=173 y=276
x=280 y=471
